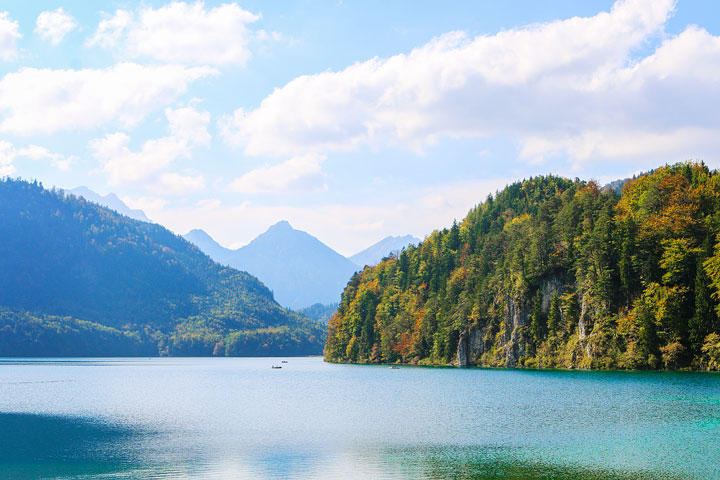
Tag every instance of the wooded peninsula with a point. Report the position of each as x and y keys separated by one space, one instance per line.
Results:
x=552 y=273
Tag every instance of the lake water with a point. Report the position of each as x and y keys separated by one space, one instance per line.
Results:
x=225 y=418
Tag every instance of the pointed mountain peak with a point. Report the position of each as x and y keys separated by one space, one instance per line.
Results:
x=207 y=244
x=375 y=253
x=197 y=232
x=281 y=225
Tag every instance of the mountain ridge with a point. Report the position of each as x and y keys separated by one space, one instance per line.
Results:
x=110 y=201
x=72 y=268
x=273 y=251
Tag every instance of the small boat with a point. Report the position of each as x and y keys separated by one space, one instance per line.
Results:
x=284 y=361
x=276 y=366
x=394 y=367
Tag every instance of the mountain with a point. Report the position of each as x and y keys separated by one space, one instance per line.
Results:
x=320 y=312
x=111 y=201
x=297 y=267
x=552 y=273
x=388 y=245
x=80 y=279
x=208 y=245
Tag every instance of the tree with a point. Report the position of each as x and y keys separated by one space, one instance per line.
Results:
x=537 y=322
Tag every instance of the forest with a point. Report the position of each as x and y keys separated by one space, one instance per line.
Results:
x=80 y=279
x=552 y=273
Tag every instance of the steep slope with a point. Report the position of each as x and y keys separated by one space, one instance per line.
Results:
x=552 y=273
x=388 y=245
x=110 y=201
x=208 y=245
x=297 y=267
x=64 y=260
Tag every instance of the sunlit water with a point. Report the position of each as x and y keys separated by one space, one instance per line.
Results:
x=225 y=418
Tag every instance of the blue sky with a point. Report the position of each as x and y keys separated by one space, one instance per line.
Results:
x=352 y=120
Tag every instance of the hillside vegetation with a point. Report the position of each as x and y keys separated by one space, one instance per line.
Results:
x=552 y=273
x=79 y=279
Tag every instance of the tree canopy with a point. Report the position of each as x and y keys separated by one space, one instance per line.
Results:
x=552 y=272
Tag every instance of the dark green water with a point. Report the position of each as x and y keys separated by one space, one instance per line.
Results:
x=225 y=418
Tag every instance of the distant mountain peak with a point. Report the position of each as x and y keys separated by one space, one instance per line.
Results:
x=207 y=244
x=110 y=201
x=197 y=231
x=281 y=225
x=375 y=253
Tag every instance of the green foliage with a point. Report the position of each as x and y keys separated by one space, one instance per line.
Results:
x=711 y=352
x=319 y=312
x=133 y=287
x=551 y=273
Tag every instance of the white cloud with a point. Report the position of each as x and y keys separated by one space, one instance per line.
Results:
x=54 y=25
x=122 y=165
x=570 y=86
x=9 y=36
x=176 y=184
x=208 y=203
x=146 y=204
x=8 y=153
x=181 y=33
x=299 y=174
x=190 y=125
x=36 y=100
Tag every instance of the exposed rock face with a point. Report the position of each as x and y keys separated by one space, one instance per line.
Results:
x=516 y=318
x=551 y=286
x=470 y=347
x=585 y=323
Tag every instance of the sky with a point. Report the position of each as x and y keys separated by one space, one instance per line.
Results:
x=352 y=120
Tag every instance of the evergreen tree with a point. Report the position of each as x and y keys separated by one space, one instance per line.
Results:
x=537 y=322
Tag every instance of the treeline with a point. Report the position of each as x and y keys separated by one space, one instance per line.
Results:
x=319 y=311
x=552 y=273
x=79 y=279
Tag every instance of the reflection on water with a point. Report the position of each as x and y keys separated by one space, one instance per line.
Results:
x=237 y=418
x=38 y=446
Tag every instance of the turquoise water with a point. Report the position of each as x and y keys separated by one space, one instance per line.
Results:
x=225 y=418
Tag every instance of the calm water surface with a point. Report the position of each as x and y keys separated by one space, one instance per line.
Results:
x=225 y=418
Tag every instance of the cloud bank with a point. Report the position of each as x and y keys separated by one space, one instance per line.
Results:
x=569 y=87
x=36 y=100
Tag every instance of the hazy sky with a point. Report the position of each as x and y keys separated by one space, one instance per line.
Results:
x=352 y=120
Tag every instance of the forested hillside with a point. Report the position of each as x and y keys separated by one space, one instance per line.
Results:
x=552 y=273
x=79 y=279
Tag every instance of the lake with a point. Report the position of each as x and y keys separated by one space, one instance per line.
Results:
x=225 y=418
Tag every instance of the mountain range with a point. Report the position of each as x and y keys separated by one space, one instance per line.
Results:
x=110 y=201
x=299 y=269
x=80 y=279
